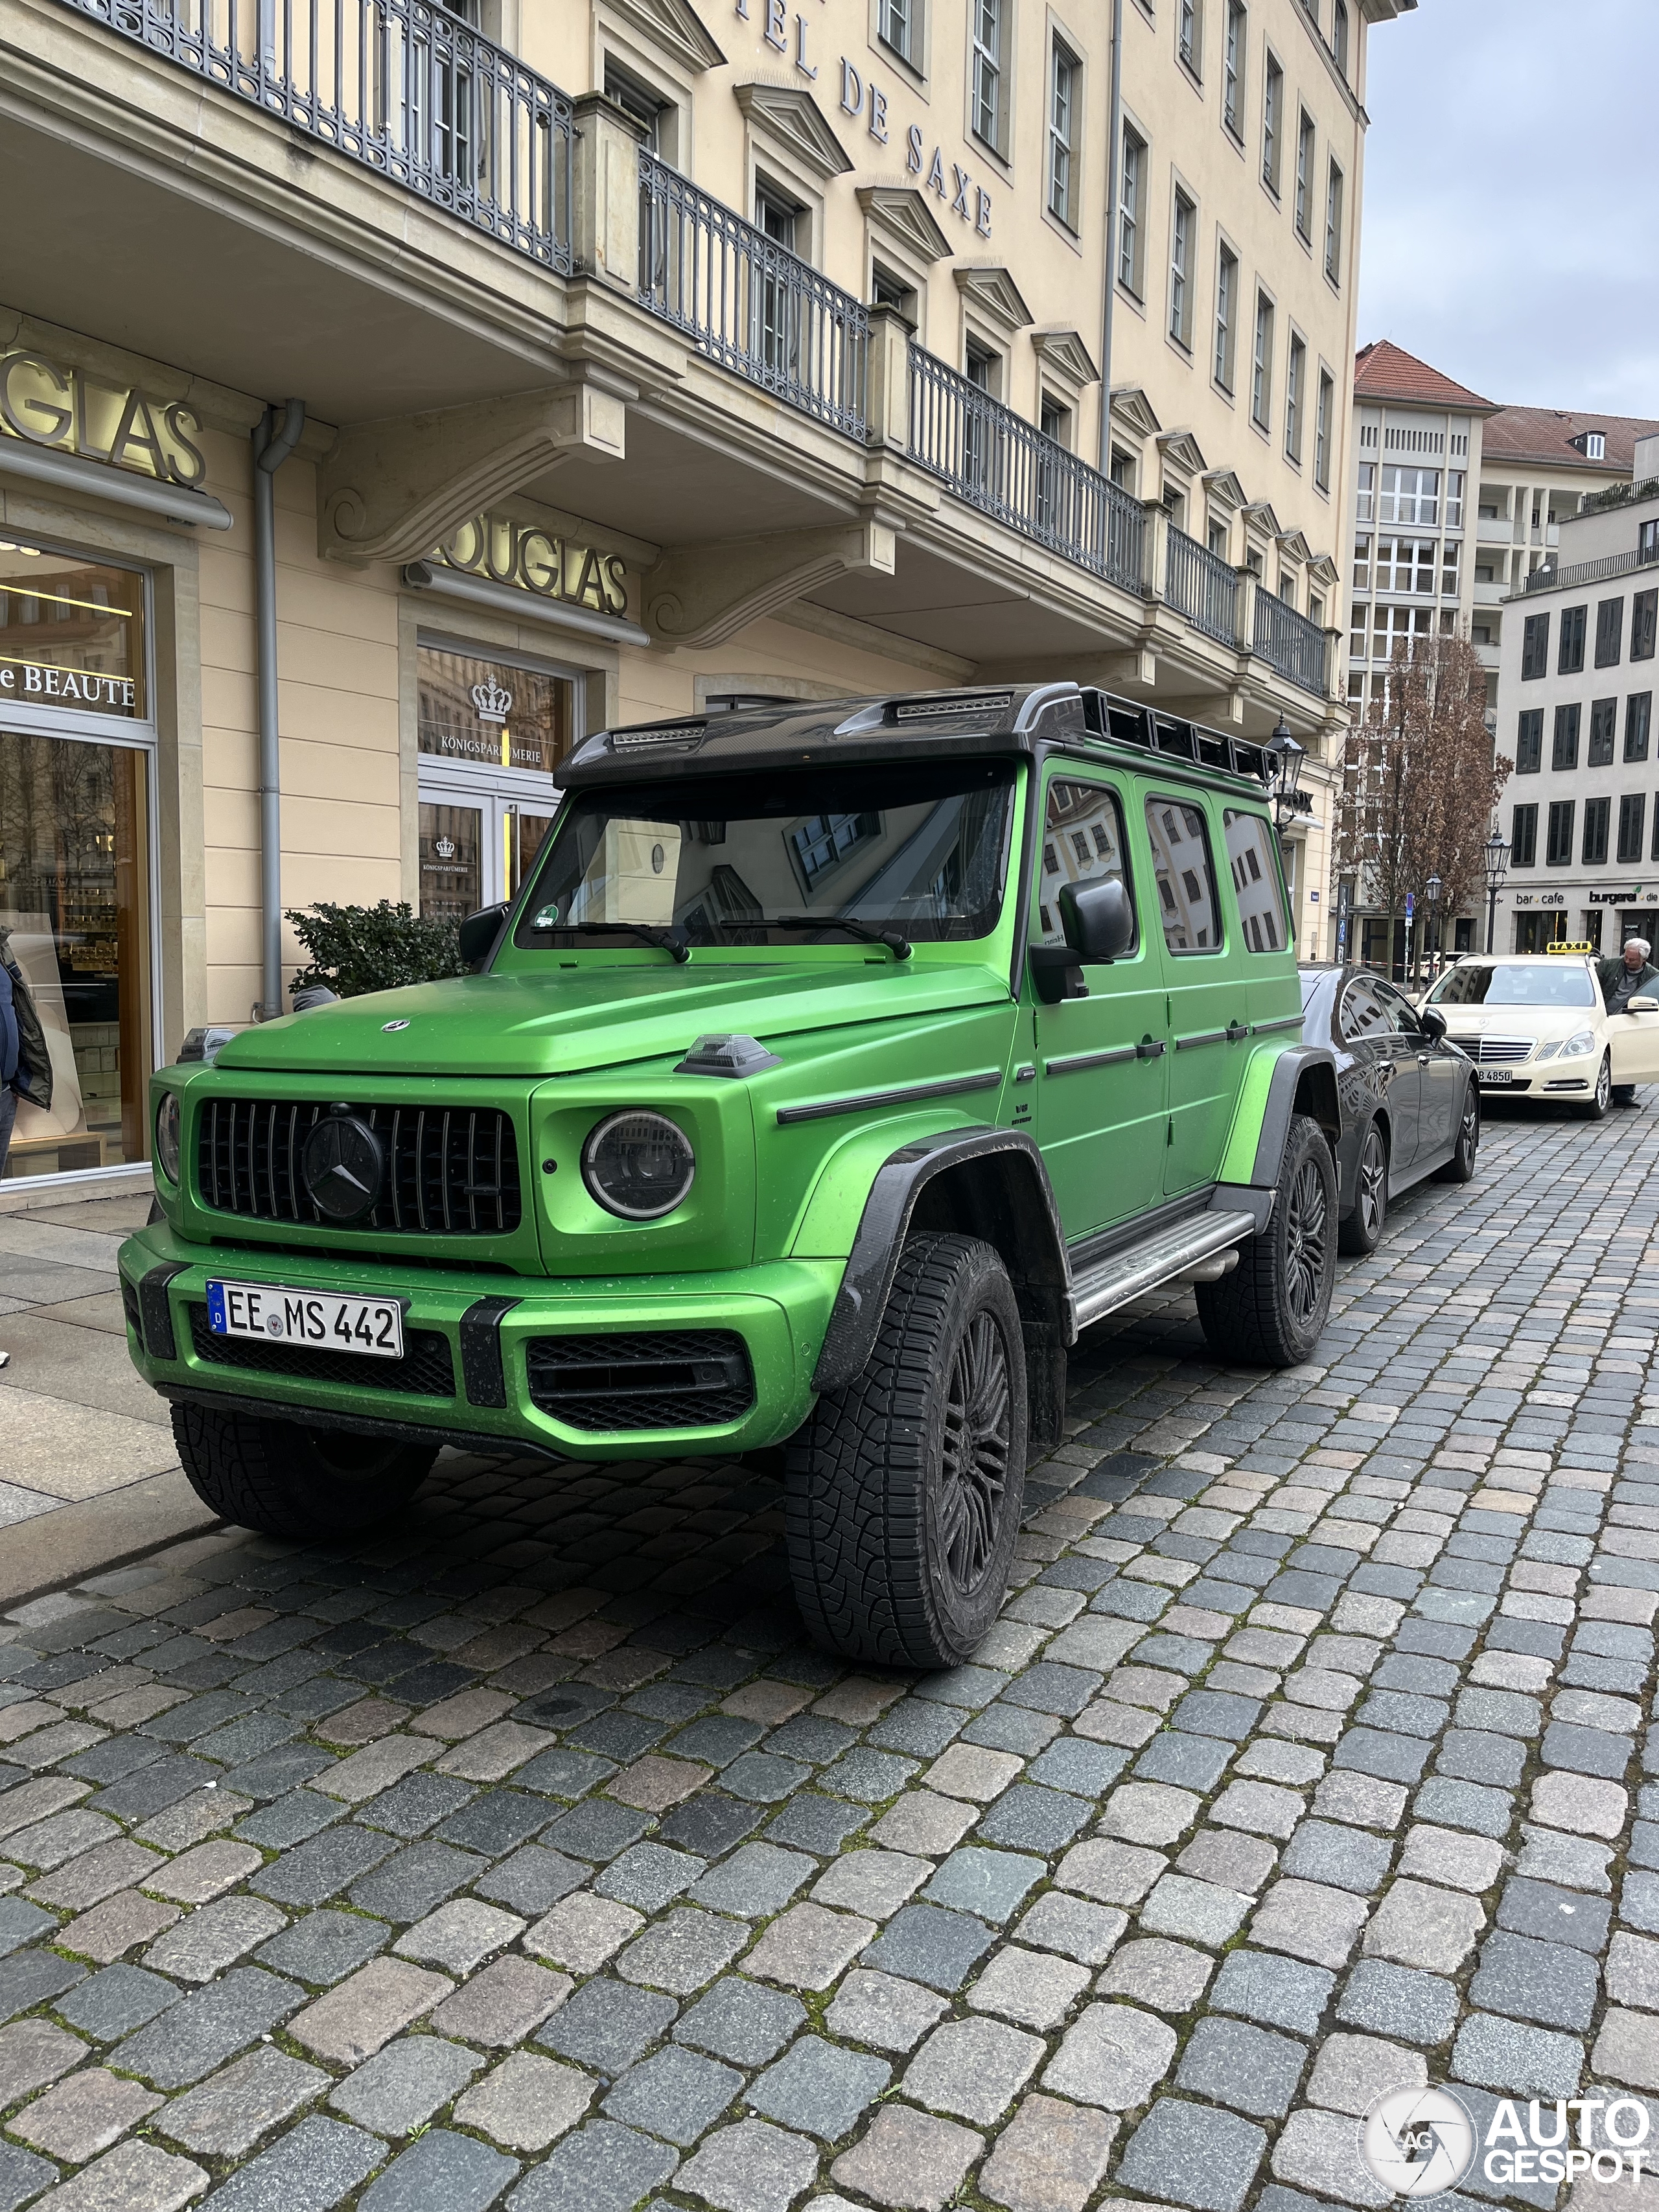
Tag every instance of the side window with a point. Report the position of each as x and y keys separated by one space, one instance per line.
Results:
x=1402 y=1014
x=1186 y=876
x=1254 y=867
x=1082 y=843
x=1365 y=1018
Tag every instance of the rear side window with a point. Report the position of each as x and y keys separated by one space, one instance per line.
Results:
x=1366 y=1013
x=1082 y=843
x=1254 y=867
x=1185 y=876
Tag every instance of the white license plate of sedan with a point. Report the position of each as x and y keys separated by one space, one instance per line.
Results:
x=1494 y=1075
x=268 y=1313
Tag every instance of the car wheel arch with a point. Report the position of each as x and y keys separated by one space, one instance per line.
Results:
x=986 y=1183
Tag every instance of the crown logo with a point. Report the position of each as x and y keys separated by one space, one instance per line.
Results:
x=493 y=701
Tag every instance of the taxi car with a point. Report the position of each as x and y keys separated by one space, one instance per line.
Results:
x=1539 y=1024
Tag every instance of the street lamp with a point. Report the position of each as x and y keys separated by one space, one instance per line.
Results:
x=1431 y=891
x=1285 y=759
x=1496 y=857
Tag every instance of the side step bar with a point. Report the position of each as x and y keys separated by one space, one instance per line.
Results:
x=1102 y=1290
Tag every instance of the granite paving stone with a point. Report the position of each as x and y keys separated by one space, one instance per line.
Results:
x=1308 y=1757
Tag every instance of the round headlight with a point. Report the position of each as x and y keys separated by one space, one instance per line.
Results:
x=639 y=1165
x=168 y=1121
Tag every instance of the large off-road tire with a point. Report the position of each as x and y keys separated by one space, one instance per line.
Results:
x=1459 y=1168
x=287 y=1480
x=1595 y=1107
x=904 y=1489
x=1360 y=1229
x=1270 y=1310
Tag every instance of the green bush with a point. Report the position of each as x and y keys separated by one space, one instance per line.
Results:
x=355 y=949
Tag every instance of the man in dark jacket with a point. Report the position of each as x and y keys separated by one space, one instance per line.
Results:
x=1630 y=975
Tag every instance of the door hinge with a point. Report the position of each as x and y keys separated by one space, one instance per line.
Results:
x=1168 y=1134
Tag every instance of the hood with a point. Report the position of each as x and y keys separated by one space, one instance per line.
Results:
x=574 y=1019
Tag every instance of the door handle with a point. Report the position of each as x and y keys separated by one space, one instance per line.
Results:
x=1424 y=1057
x=1237 y=1029
x=1149 y=1049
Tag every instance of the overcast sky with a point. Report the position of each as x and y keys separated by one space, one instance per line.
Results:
x=1511 y=208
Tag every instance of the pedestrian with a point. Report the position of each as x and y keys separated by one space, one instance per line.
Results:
x=25 y=1063
x=1630 y=974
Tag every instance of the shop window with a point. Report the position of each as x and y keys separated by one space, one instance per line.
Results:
x=75 y=842
x=493 y=712
x=74 y=906
x=492 y=734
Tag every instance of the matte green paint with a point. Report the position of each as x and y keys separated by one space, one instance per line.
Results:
x=558 y=1041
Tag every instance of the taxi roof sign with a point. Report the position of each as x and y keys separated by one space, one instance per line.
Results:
x=1560 y=945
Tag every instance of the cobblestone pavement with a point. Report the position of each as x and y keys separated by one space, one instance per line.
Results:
x=529 y=1856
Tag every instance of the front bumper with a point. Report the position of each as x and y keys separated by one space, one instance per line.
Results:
x=468 y=1375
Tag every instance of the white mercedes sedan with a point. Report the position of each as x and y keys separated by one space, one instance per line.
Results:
x=1539 y=1025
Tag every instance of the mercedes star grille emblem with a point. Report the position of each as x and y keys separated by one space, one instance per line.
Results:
x=344 y=1168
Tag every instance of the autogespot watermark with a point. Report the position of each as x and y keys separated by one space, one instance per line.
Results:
x=1421 y=2142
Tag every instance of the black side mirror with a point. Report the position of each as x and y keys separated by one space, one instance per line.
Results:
x=478 y=933
x=1431 y=1022
x=1098 y=920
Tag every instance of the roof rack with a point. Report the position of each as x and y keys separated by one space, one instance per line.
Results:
x=1128 y=724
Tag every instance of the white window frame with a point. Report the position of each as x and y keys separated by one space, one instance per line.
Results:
x=1183 y=230
x=1324 y=422
x=1306 y=149
x=1065 y=77
x=987 y=23
x=1261 y=363
x=1335 y=184
x=1273 y=124
x=1132 y=195
x=1295 y=377
x=1235 y=57
x=1223 y=363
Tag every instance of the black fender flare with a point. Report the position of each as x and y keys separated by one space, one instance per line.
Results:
x=1028 y=1235
x=1291 y=1066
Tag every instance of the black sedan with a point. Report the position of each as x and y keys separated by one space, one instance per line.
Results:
x=1411 y=1104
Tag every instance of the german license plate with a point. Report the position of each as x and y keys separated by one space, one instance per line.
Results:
x=1499 y=1075
x=268 y=1313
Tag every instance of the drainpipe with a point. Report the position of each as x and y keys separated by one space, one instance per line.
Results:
x=1113 y=179
x=272 y=444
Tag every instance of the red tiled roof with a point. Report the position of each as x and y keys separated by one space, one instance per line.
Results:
x=1545 y=433
x=1385 y=371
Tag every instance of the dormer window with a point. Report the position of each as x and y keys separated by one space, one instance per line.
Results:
x=1592 y=444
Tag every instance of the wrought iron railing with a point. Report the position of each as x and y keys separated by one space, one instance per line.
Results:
x=1290 y=643
x=400 y=86
x=1591 y=572
x=1201 y=585
x=749 y=303
x=995 y=461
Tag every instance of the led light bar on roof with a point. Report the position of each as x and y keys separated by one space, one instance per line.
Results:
x=933 y=710
x=678 y=734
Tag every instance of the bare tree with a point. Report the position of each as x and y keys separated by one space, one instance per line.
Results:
x=1420 y=779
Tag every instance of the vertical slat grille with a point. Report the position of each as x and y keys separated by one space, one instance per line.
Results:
x=450 y=1171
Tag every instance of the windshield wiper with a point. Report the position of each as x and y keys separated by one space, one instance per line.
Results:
x=896 y=941
x=665 y=940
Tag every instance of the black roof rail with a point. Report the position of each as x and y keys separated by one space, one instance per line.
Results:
x=1125 y=722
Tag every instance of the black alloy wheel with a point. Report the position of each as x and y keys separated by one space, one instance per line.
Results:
x=1459 y=1168
x=904 y=1490
x=974 y=1473
x=1307 y=1241
x=1360 y=1229
x=1270 y=1309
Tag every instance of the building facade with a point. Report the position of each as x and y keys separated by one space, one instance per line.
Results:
x=389 y=397
x=1456 y=501
x=1575 y=706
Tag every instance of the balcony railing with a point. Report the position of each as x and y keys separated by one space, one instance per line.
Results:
x=1201 y=585
x=400 y=86
x=1548 y=579
x=989 y=456
x=1289 y=644
x=750 y=304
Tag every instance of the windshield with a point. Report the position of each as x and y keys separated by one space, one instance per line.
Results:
x=780 y=857
x=1529 y=983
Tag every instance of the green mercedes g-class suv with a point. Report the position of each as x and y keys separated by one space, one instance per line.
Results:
x=837 y=1064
